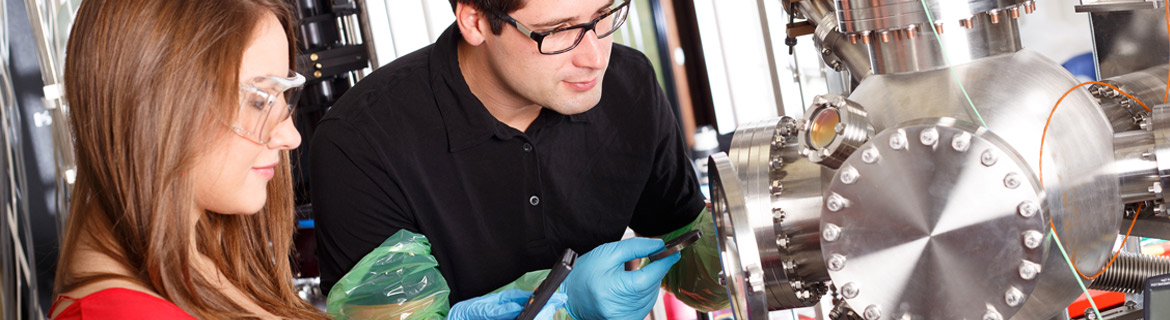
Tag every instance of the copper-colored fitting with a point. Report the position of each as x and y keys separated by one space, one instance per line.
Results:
x=852 y=38
x=911 y=32
x=994 y=16
x=1015 y=12
x=885 y=36
x=865 y=37
x=938 y=27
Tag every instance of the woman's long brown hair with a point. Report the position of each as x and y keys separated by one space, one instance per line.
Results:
x=150 y=84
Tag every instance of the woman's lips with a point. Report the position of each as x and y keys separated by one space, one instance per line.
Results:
x=266 y=172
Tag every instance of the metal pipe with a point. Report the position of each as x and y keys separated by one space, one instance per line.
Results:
x=1136 y=166
x=1129 y=272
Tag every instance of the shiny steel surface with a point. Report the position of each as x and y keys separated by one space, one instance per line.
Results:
x=1137 y=169
x=1080 y=183
x=1124 y=113
x=743 y=278
x=868 y=15
x=933 y=226
x=838 y=52
x=1128 y=41
x=1160 y=125
x=900 y=52
x=769 y=233
x=1116 y=5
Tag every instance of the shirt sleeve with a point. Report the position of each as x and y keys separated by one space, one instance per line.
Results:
x=356 y=202
x=671 y=198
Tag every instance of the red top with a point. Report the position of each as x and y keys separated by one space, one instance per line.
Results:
x=119 y=303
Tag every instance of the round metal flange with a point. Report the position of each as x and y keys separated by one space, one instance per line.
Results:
x=935 y=224
x=771 y=225
x=1160 y=124
x=742 y=274
x=832 y=128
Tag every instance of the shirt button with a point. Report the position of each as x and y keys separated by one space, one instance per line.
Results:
x=534 y=200
x=527 y=147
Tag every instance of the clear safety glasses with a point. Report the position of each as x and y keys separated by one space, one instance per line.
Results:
x=265 y=102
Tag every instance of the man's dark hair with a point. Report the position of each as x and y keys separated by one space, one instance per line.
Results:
x=493 y=9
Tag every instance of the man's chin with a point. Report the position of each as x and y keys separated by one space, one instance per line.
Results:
x=579 y=104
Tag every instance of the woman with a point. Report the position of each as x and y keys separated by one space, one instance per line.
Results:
x=182 y=205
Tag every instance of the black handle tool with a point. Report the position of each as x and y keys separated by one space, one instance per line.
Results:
x=545 y=290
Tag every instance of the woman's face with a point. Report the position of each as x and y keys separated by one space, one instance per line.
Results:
x=232 y=177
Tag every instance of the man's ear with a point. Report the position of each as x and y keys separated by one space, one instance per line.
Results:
x=472 y=24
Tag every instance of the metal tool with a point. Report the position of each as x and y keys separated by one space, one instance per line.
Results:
x=672 y=247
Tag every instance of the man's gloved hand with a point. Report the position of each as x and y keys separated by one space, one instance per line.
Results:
x=599 y=287
x=503 y=305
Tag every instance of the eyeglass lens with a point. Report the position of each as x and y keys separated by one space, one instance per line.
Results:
x=563 y=40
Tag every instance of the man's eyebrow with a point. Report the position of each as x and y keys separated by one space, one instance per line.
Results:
x=552 y=23
x=558 y=22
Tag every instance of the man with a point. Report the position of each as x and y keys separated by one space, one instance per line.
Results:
x=521 y=132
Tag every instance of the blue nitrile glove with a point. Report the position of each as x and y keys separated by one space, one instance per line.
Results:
x=555 y=302
x=503 y=305
x=599 y=287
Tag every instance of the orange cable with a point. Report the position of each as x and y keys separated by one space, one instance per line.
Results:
x=1041 y=168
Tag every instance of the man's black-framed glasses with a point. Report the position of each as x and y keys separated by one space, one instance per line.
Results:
x=563 y=39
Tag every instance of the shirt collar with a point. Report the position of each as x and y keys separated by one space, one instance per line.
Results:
x=467 y=121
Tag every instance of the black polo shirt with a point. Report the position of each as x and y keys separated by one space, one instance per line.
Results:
x=410 y=147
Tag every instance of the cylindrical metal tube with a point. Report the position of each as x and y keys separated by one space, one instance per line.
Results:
x=868 y=15
x=838 y=52
x=1145 y=86
x=1129 y=272
x=918 y=49
x=1137 y=169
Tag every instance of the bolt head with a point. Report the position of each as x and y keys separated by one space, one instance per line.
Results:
x=1012 y=181
x=992 y=315
x=849 y=175
x=776 y=163
x=836 y=262
x=929 y=136
x=988 y=158
x=839 y=128
x=1033 y=239
x=961 y=142
x=1029 y=269
x=1013 y=297
x=835 y=203
x=831 y=232
x=777 y=215
x=1027 y=209
x=850 y=290
x=869 y=155
x=782 y=241
x=898 y=140
x=872 y=312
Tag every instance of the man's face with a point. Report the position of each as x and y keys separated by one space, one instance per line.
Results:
x=569 y=82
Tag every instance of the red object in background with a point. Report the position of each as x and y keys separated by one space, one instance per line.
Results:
x=1103 y=299
x=676 y=310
